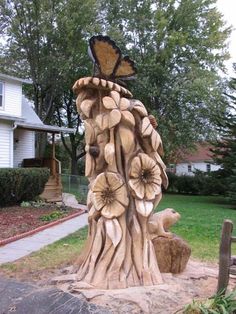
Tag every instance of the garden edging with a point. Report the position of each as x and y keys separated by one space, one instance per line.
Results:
x=41 y=228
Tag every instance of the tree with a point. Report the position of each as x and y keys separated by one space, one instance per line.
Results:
x=47 y=42
x=225 y=147
x=179 y=48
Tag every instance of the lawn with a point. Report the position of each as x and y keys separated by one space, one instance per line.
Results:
x=200 y=224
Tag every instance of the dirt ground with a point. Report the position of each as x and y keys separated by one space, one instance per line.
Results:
x=16 y=220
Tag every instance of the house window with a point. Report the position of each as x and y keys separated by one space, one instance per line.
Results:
x=189 y=168
x=208 y=167
x=1 y=95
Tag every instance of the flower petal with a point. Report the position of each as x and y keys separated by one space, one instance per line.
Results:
x=146 y=161
x=100 y=183
x=114 y=181
x=98 y=200
x=135 y=168
x=113 y=210
x=151 y=190
x=138 y=187
x=124 y=103
x=115 y=96
x=109 y=153
x=114 y=118
x=128 y=118
x=144 y=208
x=109 y=103
x=121 y=195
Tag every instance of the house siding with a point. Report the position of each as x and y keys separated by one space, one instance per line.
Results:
x=12 y=98
x=182 y=168
x=6 y=143
x=24 y=145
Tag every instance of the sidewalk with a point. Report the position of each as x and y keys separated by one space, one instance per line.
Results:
x=17 y=249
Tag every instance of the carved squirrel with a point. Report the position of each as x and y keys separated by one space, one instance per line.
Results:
x=159 y=223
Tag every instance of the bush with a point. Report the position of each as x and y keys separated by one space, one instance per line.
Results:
x=202 y=183
x=21 y=184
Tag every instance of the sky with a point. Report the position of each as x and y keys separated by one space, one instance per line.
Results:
x=228 y=9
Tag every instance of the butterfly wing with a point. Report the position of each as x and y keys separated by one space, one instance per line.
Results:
x=125 y=69
x=105 y=53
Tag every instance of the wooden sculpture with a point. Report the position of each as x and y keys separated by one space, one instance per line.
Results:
x=125 y=172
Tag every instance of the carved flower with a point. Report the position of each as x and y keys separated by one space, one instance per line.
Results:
x=145 y=177
x=116 y=110
x=110 y=194
x=148 y=131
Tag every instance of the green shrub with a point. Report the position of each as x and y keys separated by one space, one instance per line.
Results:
x=21 y=184
x=202 y=183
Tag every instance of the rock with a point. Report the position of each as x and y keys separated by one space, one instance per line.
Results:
x=64 y=278
x=172 y=254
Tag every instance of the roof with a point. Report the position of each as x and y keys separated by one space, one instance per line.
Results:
x=13 y=78
x=202 y=153
x=31 y=121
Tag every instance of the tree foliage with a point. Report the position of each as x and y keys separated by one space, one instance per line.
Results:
x=179 y=48
x=225 y=147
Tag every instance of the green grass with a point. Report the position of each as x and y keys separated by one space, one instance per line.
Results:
x=200 y=225
x=201 y=222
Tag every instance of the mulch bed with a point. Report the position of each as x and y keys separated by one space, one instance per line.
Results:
x=16 y=220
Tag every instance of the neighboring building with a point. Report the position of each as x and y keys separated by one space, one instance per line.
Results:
x=18 y=124
x=199 y=159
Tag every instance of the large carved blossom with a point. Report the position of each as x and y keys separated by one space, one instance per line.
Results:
x=116 y=109
x=145 y=177
x=110 y=194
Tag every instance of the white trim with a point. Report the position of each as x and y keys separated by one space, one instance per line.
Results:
x=3 y=95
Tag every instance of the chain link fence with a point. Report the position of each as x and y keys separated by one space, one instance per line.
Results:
x=77 y=185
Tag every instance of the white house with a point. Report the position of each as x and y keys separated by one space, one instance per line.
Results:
x=18 y=124
x=199 y=159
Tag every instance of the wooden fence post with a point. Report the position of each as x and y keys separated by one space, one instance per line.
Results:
x=225 y=256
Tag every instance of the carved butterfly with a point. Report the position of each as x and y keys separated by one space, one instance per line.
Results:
x=108 y=59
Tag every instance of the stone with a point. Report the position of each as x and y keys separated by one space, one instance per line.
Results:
x=23 y=298
x=172 y=254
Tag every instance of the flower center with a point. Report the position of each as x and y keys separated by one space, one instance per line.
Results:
x=108 y=196
x=146 y=175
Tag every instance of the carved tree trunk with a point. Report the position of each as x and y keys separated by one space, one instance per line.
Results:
x=125 y=171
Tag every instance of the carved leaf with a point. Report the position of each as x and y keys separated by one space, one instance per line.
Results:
x=103 y=83
x=89 y=133
x=146 y=128
x=109 y=153
x=155 y=140
x=124 y=104
x=117 y=87
x=127 y=139
x=86 y=106
x=116 y=96
x=138 y=106
x=144 y=208
x=96 y=81
x=89 y=165
x=109 y=103
x=114 y=231
x=114 y=118
x=110 y=84
x=87 y=80
x=128 y=118
x=102 y=121
x=115 y=209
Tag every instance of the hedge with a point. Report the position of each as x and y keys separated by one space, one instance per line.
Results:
x=21 y=184
x=201 y=183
